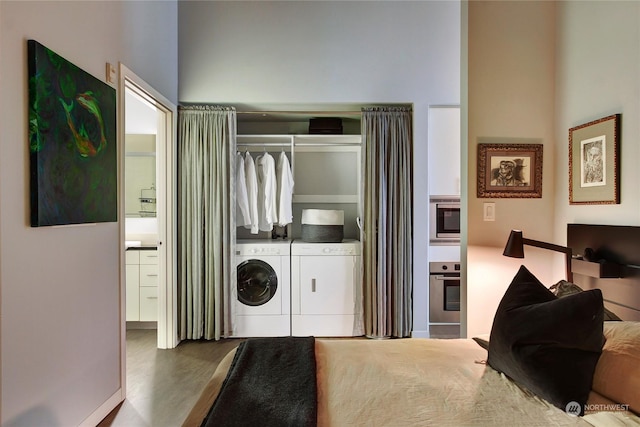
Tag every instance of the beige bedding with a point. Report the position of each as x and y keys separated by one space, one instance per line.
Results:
x=409 y=382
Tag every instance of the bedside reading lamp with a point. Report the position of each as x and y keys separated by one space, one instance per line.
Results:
x=515 y=249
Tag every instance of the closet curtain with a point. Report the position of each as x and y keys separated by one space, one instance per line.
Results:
x=206 y=272
x=387 y=227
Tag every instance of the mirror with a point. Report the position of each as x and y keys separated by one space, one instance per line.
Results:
x=140 y=176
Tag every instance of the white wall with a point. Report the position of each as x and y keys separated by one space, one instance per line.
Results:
x=598 y=74
x=60 y=330
x=329 y=52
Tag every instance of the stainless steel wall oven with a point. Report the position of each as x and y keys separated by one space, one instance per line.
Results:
x=444 y=298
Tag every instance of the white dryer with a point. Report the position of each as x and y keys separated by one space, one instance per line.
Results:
x=262 y=295
x=325 y=289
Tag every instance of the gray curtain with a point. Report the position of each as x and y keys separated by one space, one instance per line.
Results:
x=207 y=144
x=387 y=227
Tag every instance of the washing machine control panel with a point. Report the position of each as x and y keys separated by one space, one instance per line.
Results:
x=264 y=251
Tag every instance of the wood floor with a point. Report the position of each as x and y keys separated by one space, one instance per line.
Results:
x=163 y=385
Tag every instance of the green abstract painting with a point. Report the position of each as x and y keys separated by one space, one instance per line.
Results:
x=72 y=142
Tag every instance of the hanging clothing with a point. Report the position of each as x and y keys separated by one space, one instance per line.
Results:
x=267 y=190
x=251 y=180
x=285 y=191
x=243 y=217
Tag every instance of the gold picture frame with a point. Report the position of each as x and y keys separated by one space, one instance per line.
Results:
x=509 y=170
x=594 y=162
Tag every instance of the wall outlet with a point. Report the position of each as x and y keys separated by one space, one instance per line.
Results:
x=489 y=211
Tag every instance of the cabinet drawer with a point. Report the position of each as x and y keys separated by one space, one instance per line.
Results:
x=132 y=257
x=148 y=275
x=148 y=304
x=133 y=293
x=149 y=257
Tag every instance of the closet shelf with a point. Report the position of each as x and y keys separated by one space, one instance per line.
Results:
x=602 y=270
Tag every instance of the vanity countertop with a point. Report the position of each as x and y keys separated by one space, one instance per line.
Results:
x=138 y=245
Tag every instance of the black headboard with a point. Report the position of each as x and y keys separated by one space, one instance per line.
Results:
x=613 y=266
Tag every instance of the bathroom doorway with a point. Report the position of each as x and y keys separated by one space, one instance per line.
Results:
x=148 y=206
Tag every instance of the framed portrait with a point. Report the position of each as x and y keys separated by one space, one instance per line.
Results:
x=594 y=162
x=510 y=170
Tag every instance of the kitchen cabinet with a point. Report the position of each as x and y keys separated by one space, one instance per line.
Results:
x=444 y=150
x=142 y=285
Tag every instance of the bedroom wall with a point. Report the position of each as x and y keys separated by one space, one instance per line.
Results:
x=511 y=66
x=329 y=52
x=598 y=74
x=594 y=73
x=60 y=322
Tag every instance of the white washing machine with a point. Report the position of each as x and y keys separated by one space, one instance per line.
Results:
x=326 y=299
x=262 y=295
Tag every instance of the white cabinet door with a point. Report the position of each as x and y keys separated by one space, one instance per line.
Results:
x=444 y=150
x=327 y=284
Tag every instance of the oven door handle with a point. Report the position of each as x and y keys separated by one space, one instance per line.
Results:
x=443 y=277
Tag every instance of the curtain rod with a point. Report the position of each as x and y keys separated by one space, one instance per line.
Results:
x=301 y=112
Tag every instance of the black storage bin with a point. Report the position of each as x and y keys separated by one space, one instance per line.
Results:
x=325 y=126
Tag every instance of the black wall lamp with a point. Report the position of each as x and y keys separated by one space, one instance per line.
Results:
x=515 y=249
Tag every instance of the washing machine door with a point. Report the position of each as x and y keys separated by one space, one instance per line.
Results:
x=257 y=282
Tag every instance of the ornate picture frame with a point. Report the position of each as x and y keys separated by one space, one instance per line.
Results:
x=509 y=171
x=594 y=162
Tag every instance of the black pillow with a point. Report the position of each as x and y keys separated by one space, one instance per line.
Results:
x=546 y=344
x=482 y=342
x=564 y=288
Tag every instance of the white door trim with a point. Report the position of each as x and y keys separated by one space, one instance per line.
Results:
x=166 y=206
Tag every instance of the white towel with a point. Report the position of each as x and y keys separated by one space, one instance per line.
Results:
x=267 y=190
x=243 y=217
x=252 y=192
x=285 y=191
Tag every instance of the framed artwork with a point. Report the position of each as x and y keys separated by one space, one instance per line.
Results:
x=594 y=162
x=509 y=170
x=72 y=142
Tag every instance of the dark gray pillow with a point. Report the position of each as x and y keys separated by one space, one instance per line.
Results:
x=564 y=288
x=548 y=345
x=482 y=342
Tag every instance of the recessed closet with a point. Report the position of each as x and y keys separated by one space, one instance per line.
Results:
x=324 y=280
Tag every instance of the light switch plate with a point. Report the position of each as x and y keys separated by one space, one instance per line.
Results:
x=489 y=211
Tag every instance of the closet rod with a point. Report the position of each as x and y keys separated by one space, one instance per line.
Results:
x=306 y=113
x=266 y=144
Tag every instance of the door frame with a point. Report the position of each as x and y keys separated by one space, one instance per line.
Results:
x=166 y=159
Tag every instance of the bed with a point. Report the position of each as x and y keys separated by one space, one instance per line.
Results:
x=550 y=360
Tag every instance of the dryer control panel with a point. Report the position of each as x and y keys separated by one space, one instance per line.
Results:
x=347 y=247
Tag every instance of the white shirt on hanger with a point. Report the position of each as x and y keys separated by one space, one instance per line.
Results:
x=252 y=192
x=267 y=190
x=243 y=217
x=285 y=191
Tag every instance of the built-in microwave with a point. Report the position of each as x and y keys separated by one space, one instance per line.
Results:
x=444 y=220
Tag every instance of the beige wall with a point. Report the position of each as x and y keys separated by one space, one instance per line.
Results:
x=535 y=70
x=60 y=310
x=511 y=65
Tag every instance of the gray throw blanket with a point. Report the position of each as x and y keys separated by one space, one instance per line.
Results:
x=271 y=382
